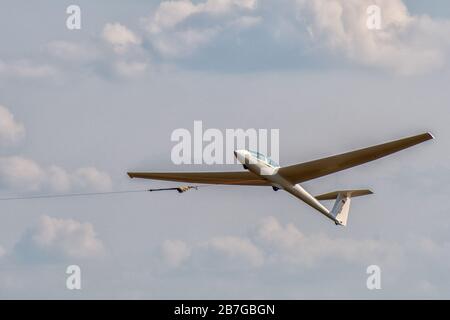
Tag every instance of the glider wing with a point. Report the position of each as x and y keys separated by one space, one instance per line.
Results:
x=318 y=168
x=246 y=178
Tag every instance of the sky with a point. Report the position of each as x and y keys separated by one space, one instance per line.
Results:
x=80 y=108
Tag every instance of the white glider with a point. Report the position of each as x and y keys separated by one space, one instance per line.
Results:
x=262 y=171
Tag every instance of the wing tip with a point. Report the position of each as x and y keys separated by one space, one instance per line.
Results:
x=130 y=174
x=430 y=135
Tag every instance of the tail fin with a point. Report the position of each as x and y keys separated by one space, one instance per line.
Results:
x=342 y=205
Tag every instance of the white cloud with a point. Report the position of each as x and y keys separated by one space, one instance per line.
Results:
x=17 y=173
x=218 y=252
x=173 y=39
x=58 y=179
x=120 y=37
x=122 y=57
x=245 y=22
x=72 y=51
x=131 y=68
x=26 y=69
x=171 y=13
x=182 y=42
x=274 y=246
x=54 y=238
x=119 y=55
x=11 y=131
x=175 y=252
x=237 y=249
x=91 y=178
x=287 y=244
x=24 y=175
x=225 y=6
x=406 y=44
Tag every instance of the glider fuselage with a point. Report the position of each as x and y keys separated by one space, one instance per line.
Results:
x=265 y=170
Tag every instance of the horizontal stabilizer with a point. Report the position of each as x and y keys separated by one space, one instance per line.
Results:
x=350 y=193
x=342 y=204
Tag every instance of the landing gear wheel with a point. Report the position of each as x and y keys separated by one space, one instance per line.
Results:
x=245 y=167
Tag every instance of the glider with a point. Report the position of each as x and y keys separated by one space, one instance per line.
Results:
x=262 y=171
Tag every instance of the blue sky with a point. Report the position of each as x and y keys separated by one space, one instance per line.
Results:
x=81 y=108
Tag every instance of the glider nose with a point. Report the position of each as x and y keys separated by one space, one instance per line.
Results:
x=240 y=155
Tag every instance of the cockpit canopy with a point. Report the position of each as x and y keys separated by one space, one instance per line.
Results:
x=262 y=157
